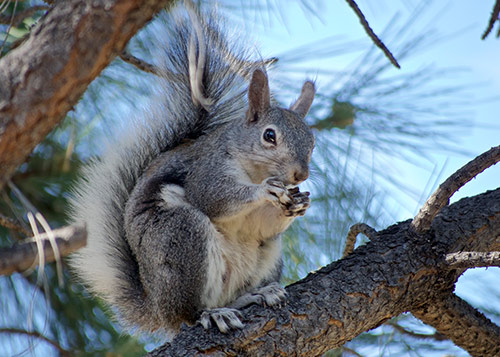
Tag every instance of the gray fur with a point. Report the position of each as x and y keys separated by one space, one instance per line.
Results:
x=184 y=213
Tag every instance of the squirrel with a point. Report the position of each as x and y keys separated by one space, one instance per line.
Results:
x=185 y=212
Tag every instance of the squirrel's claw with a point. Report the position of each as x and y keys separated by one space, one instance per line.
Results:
x=277 y=192
x=301 y=202
x=269 y=295
x=224 y=317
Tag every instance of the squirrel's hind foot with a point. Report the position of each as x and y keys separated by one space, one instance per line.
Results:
x=269 y=295
x=225 y=318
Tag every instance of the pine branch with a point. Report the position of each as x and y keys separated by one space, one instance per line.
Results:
x=372 y=34
x=350 y=351
x=38 y=335
x=353 y=234
x=139 y=63
x=24 y=255
x=423 y=336
x=493 y=19
x=18 y=17
x=423 y=220
x=462 y=323
x=473 y=259
x=11 y=223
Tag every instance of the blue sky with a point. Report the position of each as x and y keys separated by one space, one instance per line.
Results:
x=464 y=20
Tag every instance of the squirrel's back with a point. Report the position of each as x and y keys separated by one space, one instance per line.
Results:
x=202 y=81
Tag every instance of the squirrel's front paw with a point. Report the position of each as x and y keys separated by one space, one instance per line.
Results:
x=224 y=317
x=276 y=192
x=300 y=203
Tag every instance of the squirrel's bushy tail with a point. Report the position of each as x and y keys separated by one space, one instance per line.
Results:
x=202 y=85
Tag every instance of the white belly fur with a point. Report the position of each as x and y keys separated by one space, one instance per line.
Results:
x=251 y=247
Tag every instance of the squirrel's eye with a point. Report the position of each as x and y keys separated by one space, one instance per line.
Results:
x=270 y=136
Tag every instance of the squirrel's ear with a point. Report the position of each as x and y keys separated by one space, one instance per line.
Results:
x=302 y=105
x=258 y=95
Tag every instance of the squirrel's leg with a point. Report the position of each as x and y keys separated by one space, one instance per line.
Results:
x=268 y=293
x=180 y=263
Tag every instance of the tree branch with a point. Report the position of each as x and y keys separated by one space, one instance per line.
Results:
x=138 y=63
x=61 y=350
x=440 y=198
x=18 y=17
x=462 y=323
x=493 y=19
x=351 y=352
x=435 y=336
x=473 y=259
x=11 y=223
x=23 y=255
x=372 y=34
x=353 y=234
x=389 y=275
x=40 y=83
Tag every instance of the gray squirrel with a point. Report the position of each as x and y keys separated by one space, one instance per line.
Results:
x=185 y=212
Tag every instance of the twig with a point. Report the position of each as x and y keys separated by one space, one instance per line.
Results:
x=22 y=255
x=8 y=28
x=473 y=259
x=353 y=233
x=351 y=351
x=493 y=18
x=440 y=198
x=372 y=34
x=461 y=323
x=435 y=336
x=150 y=68
x=11 y=223
x=62 y=351
x=20 y=16
x=139 y=63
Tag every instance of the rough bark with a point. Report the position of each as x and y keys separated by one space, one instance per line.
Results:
x=455 y=318
x=44 y=78
x=397 y=271
x=423 y=220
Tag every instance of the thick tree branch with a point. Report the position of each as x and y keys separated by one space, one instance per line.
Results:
x=467 y=260
x=41 y=80
x=24 y=255
x=441 y=197
x=372 y=34
x=389 y=275
x=463 y=324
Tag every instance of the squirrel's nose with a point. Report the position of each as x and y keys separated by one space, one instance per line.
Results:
x=301 y=175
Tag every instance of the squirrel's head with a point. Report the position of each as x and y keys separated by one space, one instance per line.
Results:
x=282 y=142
